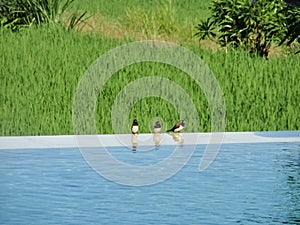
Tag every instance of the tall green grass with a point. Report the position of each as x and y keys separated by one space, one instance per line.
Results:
x=40 y=69
x=115 y=9
x=39 y=72
x=260 y=95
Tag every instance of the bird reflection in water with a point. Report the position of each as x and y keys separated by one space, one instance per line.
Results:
x=134 y=142
x=177 y=138
x=156 y=139
x=156 y=134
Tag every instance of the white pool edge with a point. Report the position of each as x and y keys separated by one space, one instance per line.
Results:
x=71 y=141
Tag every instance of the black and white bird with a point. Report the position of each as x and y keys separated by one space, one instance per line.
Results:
x=135 y=126
x=178 y=126
x=157 y=127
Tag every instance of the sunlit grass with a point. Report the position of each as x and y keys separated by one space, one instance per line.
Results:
x=40 y=69
x=136 y=20
x=115 y=9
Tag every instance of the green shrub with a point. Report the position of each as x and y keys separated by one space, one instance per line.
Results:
x=293 y=25
x=251 y=26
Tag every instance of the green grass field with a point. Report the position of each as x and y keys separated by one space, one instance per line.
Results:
x=116 y=9
x=40 y=69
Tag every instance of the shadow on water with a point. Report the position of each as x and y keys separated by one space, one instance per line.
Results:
x=290 y=168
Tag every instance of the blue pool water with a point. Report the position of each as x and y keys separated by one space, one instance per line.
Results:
x=256 y=183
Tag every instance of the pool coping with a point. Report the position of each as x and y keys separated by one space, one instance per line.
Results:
x=115 y=140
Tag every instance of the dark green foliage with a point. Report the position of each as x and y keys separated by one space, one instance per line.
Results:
x=206 y=29
x=253 y=26
x=293 y=25
x=295 y=3
x=76 y=20
x=16 y=14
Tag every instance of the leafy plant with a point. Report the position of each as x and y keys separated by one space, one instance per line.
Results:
x=206 y=29
x=293 y=24
x=24 y=13
x=77 y=21
x=252 y=26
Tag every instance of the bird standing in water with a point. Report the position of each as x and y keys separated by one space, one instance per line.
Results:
x=178 y=126
x=135 y=126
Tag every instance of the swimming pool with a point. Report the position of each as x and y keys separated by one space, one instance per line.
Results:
x=250 y=182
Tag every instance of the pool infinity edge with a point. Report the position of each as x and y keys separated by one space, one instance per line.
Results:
x=115 y=140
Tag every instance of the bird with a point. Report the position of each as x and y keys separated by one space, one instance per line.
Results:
x=178 y=126
x=157 y=127
x=135 y=126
